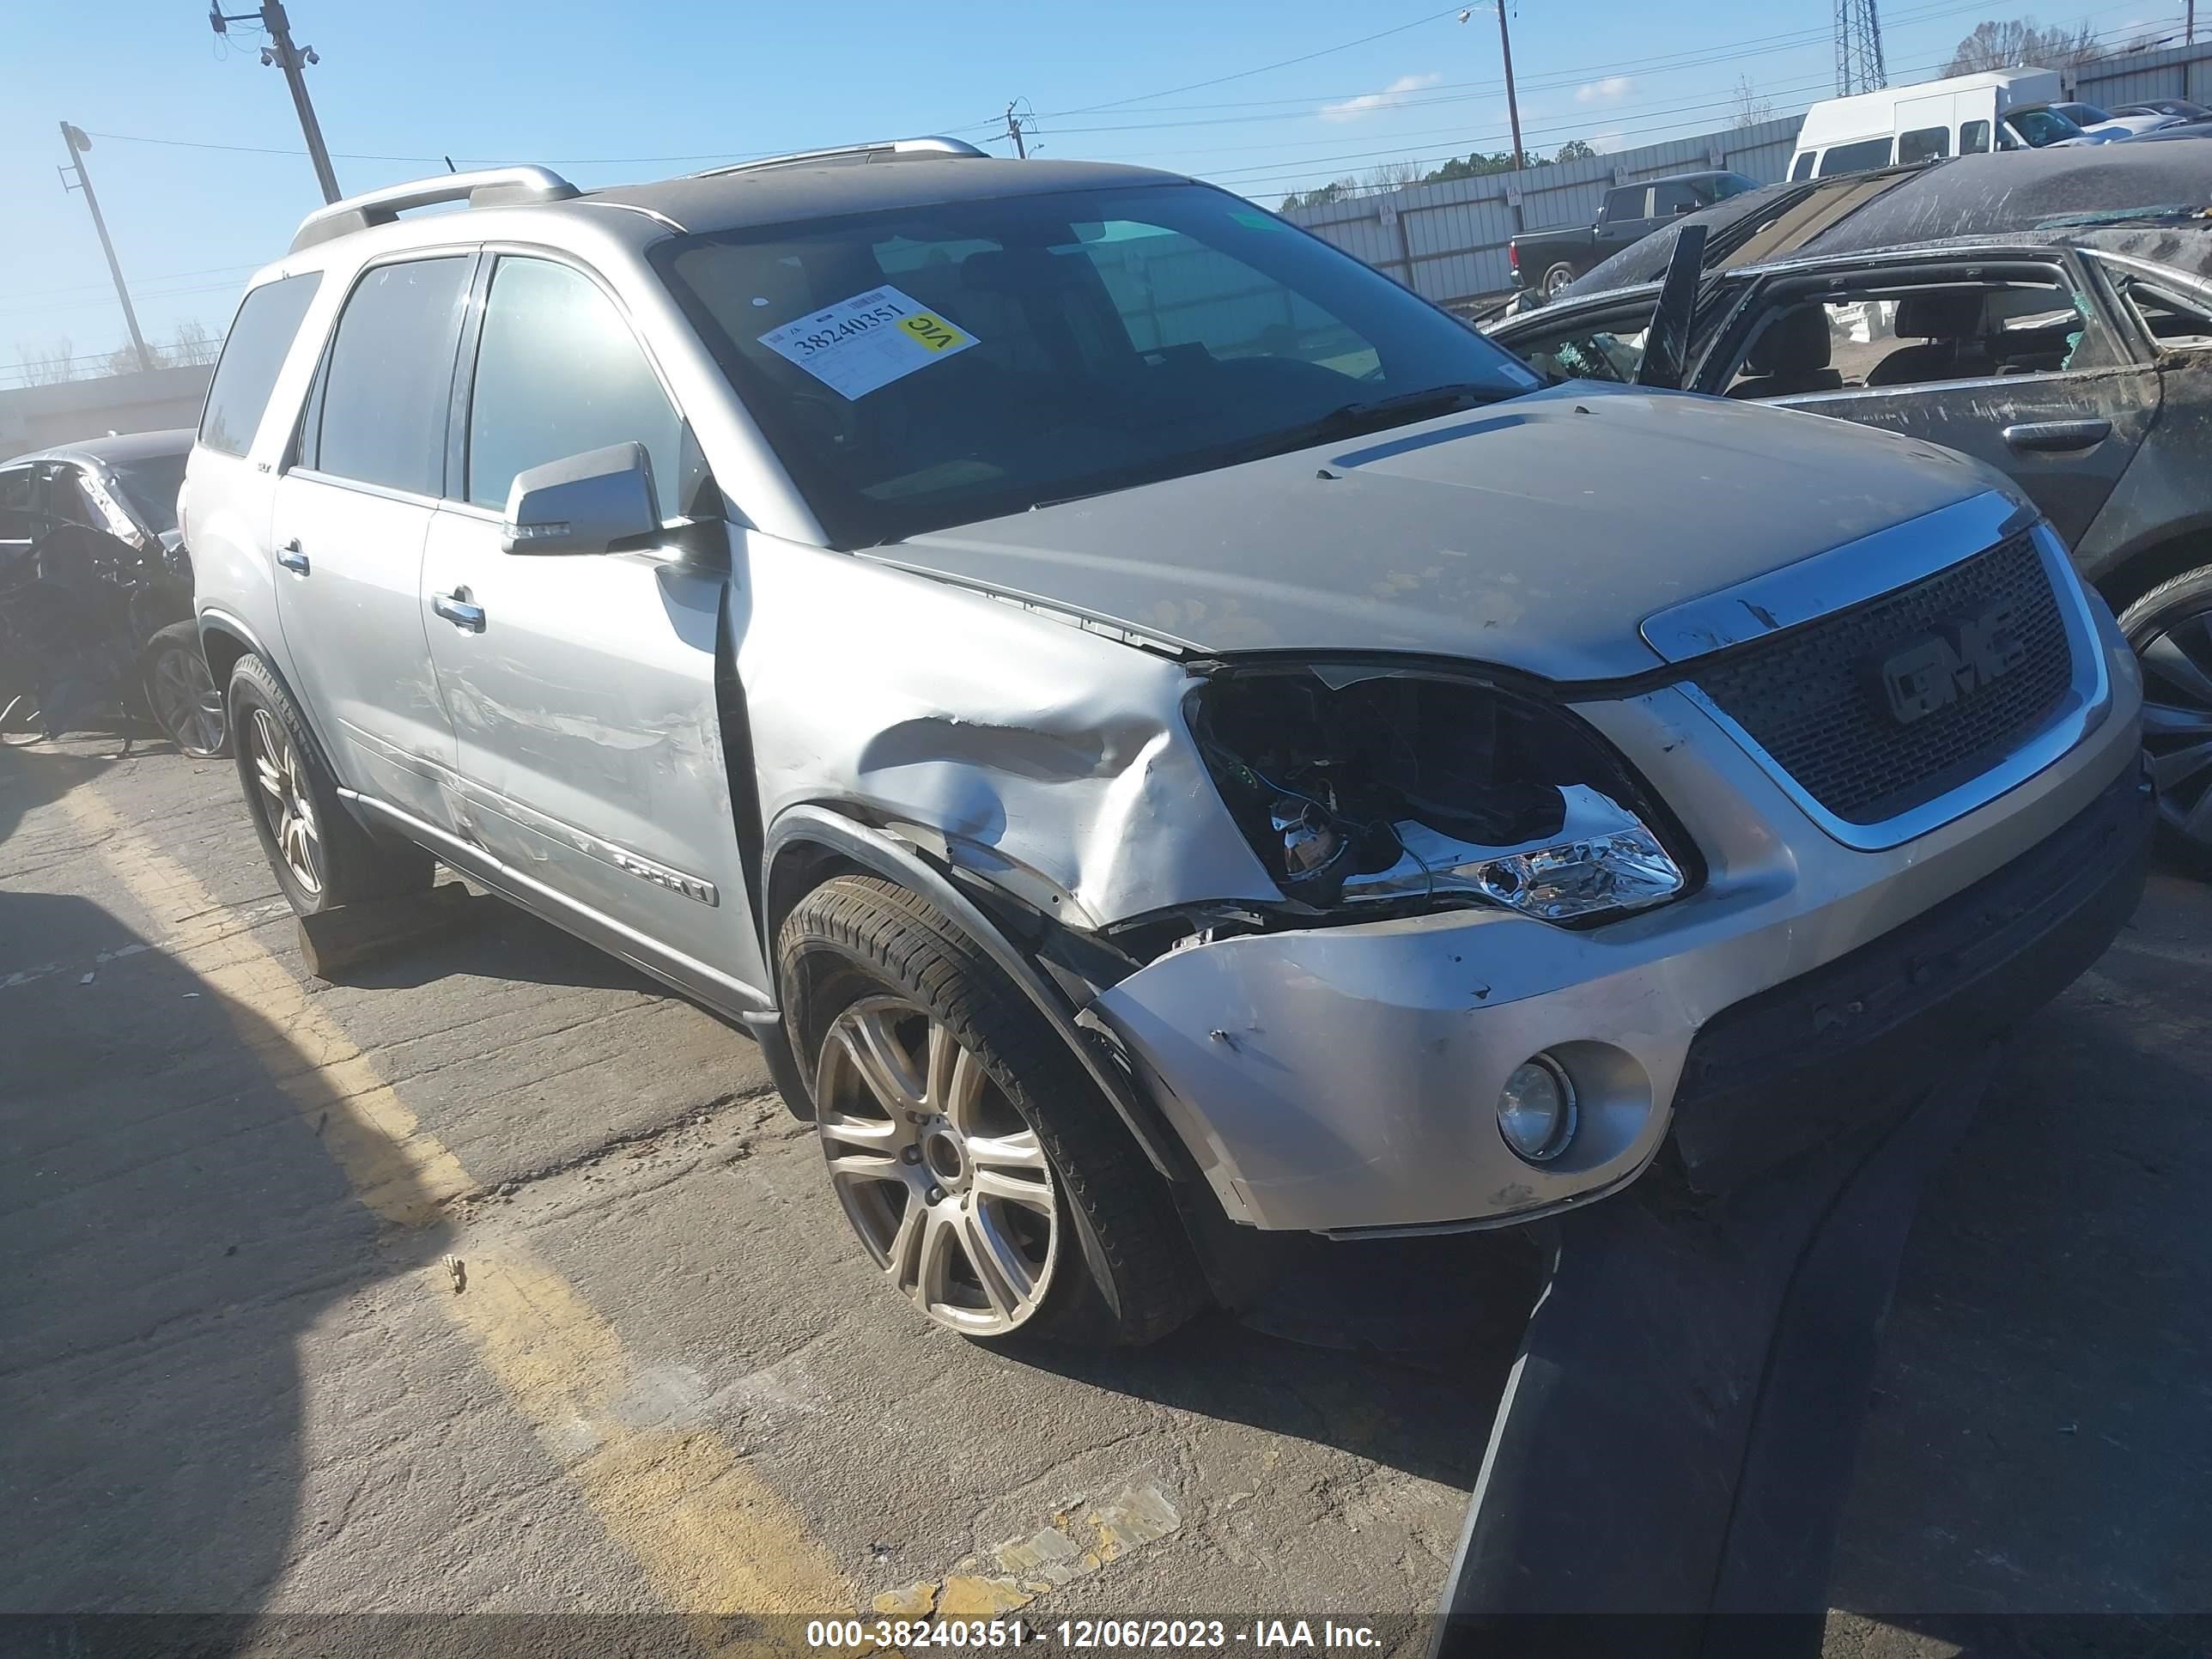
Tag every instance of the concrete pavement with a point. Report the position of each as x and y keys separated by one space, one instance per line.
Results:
x=242 y=1377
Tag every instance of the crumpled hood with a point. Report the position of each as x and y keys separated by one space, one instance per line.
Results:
x=1536 y=534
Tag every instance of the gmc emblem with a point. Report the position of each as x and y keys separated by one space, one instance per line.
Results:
x=1957 y=659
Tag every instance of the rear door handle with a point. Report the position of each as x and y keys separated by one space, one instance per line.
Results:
x=292 y=559
x=2058 y=435
x=456 y=609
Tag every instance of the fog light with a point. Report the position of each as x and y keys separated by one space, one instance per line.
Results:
x=1536 y=1110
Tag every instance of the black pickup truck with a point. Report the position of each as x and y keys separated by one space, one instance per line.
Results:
x=1547 y=260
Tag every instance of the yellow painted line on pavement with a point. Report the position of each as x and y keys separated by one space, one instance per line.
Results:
x=712 y=1536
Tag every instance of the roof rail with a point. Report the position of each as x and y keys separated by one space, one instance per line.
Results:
x=489 y=187
x=883 y=149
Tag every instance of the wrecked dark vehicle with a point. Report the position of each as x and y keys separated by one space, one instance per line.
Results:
x=1163 y=734
x=2050 y=314
x=96 y=594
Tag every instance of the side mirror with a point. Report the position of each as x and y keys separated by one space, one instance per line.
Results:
x=583 y=504
x=1667 y=342
x=1681 y=208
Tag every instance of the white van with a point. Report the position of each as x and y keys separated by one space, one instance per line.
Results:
x=2002 y=109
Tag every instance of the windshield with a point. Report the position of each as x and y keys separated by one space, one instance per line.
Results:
x=151 y=484
x=2038 y=127
x=952 y=361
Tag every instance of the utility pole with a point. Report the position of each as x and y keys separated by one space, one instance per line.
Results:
x=1014 y=132
x=78 y=143
x=290 y=58
x=1512 y=103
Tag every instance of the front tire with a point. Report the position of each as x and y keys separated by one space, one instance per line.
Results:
x=322 y=858
x=972 y=1155
x=2170 y=630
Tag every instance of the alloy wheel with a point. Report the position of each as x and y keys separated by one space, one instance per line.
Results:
x=185 y=702
x=2176 y=664
x=286 y=802
x=945 y=1183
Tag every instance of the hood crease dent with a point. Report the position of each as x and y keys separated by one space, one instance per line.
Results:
x=1536 y=535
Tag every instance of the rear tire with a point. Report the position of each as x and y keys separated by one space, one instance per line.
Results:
x=2170 y=630
x=321 y=857
x=1557 y=277
x=182 y=693
x=970 y=1152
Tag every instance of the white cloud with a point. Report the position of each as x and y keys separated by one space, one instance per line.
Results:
x=1605 y=143
x=1368 y=102
x=1602 y=92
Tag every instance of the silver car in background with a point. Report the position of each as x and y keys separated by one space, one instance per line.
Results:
x=1164 y=735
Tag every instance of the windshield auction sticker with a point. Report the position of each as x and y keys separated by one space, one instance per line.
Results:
x=867 y=341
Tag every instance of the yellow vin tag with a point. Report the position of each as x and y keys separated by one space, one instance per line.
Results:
x=933 y=332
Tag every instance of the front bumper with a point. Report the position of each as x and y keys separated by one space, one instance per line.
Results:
x=1343 y=1080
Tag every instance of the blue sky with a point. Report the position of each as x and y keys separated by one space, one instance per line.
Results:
x=600 y=89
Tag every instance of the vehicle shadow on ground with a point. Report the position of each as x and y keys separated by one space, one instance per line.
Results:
x=172 y=1226
x=34 y=777
x=2041 y=1432
x=496 y=941
x=1392 y=1350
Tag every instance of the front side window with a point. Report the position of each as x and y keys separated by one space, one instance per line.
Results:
x=558 y=373
x=1668 y=200
x=1861 y=157
x=260 y=338
x=1802 y=166
x=1893 y=334
x=378 y=413
x=944 y=363
x=1923 y=144
x=1974 y=138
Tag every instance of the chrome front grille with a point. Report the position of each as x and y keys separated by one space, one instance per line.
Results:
x=1982 y=645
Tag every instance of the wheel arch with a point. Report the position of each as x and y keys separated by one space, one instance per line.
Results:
x=2124 y=579
x=811 y=844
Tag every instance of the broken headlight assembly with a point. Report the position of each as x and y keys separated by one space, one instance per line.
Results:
x=1397 y=791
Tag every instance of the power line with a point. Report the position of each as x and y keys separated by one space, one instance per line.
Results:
x=1264 y=69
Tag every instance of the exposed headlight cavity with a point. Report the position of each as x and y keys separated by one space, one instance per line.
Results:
x=1362 y=786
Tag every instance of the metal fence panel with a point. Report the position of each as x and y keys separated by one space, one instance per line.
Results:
x=1447 y=242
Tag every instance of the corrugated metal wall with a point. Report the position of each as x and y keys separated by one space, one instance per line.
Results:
x=2177 y=72
x=1447 y=242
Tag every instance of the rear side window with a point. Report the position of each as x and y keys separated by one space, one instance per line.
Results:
x=1923 y=144
x=1974 y=138
x=1861 y=157
x=558 y=373
x=260 y=340
x=378 y=413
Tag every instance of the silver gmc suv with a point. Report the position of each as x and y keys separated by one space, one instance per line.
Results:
x=1159 y=731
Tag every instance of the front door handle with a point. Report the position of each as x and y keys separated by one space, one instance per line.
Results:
x=456 y=609
x=291 y=558
x=2058 y=435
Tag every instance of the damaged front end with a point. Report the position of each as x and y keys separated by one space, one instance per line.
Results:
x=1376 y=790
